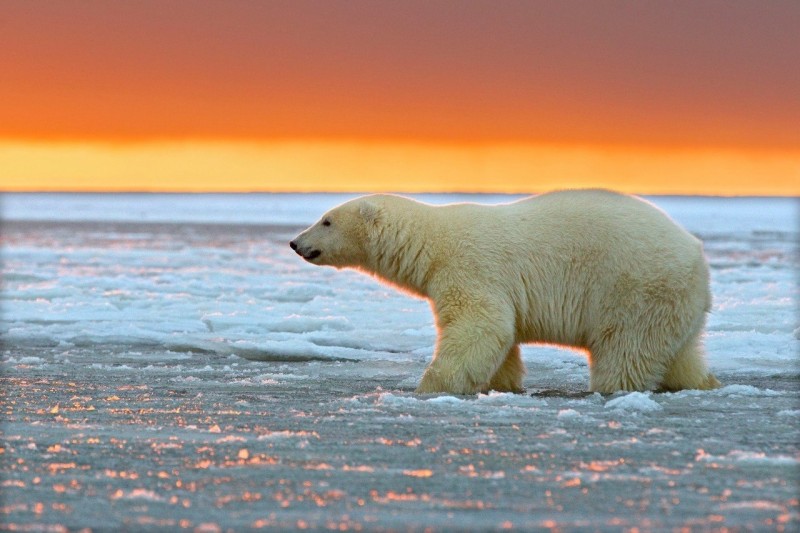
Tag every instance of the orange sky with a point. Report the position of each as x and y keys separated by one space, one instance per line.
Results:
x=691 y=96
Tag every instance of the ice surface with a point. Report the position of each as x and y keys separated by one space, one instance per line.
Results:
x=168 y=362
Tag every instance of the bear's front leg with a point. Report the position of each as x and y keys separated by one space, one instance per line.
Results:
x=508 y=377
x=469 y=352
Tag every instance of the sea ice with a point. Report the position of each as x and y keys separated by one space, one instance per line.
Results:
x=169 y=363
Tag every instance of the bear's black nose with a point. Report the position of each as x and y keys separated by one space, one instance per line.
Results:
x=293 y=245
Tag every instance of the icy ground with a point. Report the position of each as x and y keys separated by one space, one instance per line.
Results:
x=169 y=363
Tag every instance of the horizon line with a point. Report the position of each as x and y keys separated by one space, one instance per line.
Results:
x=177 y=192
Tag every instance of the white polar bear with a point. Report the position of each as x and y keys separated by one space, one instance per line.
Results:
x=605 y=272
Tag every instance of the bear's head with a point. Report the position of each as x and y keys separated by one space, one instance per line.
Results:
x=340 y=237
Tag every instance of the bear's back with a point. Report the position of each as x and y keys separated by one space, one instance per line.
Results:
x=583 y=249
x=601 y=218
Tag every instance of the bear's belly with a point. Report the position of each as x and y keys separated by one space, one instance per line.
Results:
x=551 y=326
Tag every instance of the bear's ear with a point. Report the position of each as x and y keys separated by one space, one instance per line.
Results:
x=369 y=211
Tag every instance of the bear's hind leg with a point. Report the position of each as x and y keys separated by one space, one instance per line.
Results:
x=614 y=368
x=508 y=377
x=688 y=369
x=607 y=377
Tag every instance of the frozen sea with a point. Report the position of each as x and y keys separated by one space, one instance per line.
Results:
x=169 y=363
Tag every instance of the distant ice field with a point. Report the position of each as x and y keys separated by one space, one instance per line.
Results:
x=710 y=214
x=213 y=273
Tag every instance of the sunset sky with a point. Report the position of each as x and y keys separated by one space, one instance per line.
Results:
x=690 y=97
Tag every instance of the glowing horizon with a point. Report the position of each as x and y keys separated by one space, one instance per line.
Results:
x=391 y=166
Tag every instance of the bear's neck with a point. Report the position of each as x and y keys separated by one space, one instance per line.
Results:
x=403 y=253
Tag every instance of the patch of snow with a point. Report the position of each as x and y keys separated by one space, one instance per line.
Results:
x=635 y=402
x=740 y=456
x=444 y=400
x=745 y=390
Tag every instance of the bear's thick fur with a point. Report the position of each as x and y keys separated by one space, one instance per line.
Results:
x=605 y=272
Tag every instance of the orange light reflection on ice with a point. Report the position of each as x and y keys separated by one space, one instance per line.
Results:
x=422 y=473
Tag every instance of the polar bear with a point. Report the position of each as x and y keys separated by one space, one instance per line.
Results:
x=592 y=269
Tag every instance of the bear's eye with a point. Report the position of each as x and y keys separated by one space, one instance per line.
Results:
x=326 y=222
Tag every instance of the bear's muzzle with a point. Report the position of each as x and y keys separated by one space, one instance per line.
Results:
x=304 y=252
